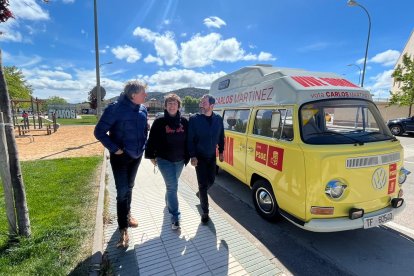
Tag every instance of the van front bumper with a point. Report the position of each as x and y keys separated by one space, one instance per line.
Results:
x=343 y=224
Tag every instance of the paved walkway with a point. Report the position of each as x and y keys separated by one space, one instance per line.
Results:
x=155 y=249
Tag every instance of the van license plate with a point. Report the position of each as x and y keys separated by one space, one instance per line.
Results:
x=377 y=220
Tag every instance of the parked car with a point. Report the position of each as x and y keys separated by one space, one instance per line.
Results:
x=401 y=125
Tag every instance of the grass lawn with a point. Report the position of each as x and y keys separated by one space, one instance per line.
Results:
x=61 y=197
x=85 y=120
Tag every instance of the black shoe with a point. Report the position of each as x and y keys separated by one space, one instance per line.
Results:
x=205 y=218
x=175 y=225
x=198 y=194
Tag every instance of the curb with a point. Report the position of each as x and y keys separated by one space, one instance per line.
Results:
x=97 y=248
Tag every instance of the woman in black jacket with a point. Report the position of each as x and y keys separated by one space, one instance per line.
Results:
x=167 y=149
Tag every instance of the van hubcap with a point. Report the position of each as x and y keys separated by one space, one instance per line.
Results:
x=264 y=200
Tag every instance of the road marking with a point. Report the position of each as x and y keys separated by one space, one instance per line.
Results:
x=400 y=227
x=408 y=162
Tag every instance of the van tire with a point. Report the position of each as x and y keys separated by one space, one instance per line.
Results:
x=264 y=200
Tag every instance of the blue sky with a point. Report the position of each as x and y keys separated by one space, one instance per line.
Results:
x=172 y=44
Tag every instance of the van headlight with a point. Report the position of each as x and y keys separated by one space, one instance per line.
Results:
x=335 y=189
x=402 y=175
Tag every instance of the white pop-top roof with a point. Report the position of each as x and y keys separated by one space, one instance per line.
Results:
x=267 y=85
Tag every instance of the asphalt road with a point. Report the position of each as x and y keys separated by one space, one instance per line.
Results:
x=384 y=250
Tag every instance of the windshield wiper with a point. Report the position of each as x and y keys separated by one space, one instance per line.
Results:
x=340 y=134
x=380 y=133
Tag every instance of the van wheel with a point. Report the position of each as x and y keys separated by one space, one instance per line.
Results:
x=265 y=201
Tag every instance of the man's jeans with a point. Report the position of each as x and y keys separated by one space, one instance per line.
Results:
x=206 y=174
x=124 y=169
x=171 y=171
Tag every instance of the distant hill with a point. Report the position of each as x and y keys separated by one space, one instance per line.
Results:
x=188 y=91
x=182 y=92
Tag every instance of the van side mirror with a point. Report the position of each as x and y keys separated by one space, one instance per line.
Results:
x=275 y=122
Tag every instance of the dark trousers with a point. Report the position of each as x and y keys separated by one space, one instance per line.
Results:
x=124 y=169
x=206 y=174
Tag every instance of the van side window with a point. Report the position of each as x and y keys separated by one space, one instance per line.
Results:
x=263 y=124
x=236 y=120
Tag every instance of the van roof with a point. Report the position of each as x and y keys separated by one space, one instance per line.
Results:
x=267 y=85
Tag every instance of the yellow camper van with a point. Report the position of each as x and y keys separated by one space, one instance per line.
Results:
x=312 y=146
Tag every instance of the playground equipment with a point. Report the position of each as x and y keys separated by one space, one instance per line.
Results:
x=39 y=122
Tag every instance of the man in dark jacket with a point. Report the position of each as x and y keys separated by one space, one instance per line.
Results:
x=123 y=130
x=205 y=133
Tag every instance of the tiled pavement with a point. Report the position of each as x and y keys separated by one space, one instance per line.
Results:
x=155 y=249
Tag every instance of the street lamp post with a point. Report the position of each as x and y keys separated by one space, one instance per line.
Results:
x=98 y=78
x=360 y=70
x=353 y=3
x=109 y=62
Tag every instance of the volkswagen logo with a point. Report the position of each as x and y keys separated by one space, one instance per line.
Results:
x=379 y=178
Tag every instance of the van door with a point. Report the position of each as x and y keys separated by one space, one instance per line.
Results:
x=273 y=154
x=235 y=127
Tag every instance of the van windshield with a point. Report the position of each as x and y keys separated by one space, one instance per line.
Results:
x=342 y=122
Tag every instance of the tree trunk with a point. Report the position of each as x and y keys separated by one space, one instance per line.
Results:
x=6 y=179
x=22 y=211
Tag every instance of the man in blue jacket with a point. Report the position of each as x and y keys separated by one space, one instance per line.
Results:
x=123 y=130
x=205 y=133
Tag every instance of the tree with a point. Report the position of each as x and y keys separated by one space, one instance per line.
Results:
x=53 y=100
x=5 y=13
x=190 y=104
x=405 y=75
x=17 y=85
x=92 y=100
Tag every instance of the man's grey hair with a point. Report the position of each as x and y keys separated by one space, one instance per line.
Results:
x=133 y=87
x=210 y=98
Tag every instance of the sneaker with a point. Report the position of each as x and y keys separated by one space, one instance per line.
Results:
x=123 y=239
x=132 y=222
x=175 y=225
x=205 y=218
x=198 y=194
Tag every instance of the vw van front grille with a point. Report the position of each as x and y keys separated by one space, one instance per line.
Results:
x=369 y=161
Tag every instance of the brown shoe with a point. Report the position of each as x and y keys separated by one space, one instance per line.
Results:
x=124 y=239
x=132 y=222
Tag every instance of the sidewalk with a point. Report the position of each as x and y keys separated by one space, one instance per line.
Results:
x=155 y=249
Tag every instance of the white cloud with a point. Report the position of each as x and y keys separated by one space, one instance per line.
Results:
x=196 y=52
x=228 y=50
x=151 y=58
x=164 y=81
x=28 y=10
x=383 y=80
x=50 y=74
x=22 y=10
x=165 y=45
x=214 y=22
x=263 y=56
x=200 y=51
x=166 y=48
x=144 y=34
x=21 y=60
x=387 y=58
x=48 y=83
x=8 y=32
x=126 y=52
